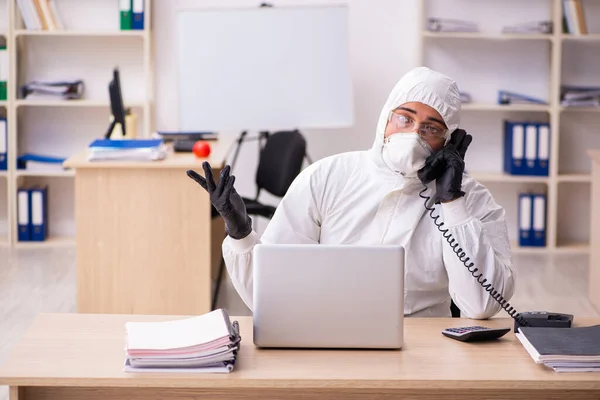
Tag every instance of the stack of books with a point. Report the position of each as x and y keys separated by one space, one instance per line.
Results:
x=574 y=17
x=40 y=15
x=207 y=343
x=563 y=349
x=127 y=150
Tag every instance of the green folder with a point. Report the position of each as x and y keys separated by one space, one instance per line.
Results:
x=126 y=14
x=3 y=73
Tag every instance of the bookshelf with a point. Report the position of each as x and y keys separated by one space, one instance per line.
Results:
x=88 y=48
x=532 y=64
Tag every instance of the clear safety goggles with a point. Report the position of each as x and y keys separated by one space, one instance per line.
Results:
x=405 y=124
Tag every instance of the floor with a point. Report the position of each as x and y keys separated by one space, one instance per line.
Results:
x=43 y=280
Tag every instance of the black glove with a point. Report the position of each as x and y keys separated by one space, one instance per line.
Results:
x=226 y=200
x=446 y=166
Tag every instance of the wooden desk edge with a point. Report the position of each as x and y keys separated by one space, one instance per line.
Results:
x=80 y=161
x=230 y=381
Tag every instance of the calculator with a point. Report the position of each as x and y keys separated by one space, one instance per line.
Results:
x=475 y=333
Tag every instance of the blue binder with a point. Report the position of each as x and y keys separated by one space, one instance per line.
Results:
x=24 y=158
x=23 y=215
x=138 y=15
x=3 y=144
x=514 y=148
x=125 y=144
x=39 y=213
x=525 y=219
x=542 y=164
x=539 y=220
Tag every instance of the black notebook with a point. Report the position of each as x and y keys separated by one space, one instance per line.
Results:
x=563 y=348
x=584 y=341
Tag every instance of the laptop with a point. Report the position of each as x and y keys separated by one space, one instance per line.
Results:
x=328 y=296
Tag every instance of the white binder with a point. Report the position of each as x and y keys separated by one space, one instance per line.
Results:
x=530 y=146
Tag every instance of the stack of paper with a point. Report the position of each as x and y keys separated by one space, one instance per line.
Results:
x=53 y=90
x=206 y=343
x=563 y=349
x=580 y=96
x=127 y=150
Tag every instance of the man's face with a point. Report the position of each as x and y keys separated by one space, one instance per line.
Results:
x=418 y=117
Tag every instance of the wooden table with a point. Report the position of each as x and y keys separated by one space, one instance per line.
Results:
x=79 y=356
x=594 y=271
x=144 y=230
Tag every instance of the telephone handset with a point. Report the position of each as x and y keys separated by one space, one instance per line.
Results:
x=434 y=169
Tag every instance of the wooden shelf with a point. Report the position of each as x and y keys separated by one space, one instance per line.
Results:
x=52 y=241
x=567 y=59
x=580 y=109
x=486 y=36
x=583 y=178
x=49 y=173
x=84 y=49
x=81 y=33
x=506 y=178
x=71 y=103
x=505 y=107
x=592 y=37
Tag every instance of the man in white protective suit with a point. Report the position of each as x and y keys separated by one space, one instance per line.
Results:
x=374 y=197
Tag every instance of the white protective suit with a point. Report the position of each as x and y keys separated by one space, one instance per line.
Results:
x=354 y=198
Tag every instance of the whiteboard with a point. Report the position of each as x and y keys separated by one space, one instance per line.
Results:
x=264 y=68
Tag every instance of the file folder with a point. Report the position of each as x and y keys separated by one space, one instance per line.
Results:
x=539 y=220
x=543 y=150
x=37 y=158
x=525 y=219
x=507 y=97
x=3 y=73
x=39 y=213
x=3 y=144
x=23 y=215
x=514 y=148
x=138 y=15
x=125 y=14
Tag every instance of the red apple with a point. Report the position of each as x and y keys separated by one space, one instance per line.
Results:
x=201 y=149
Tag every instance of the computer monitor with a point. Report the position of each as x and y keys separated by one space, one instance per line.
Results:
x=116 y=104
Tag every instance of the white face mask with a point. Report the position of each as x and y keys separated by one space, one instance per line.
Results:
x=405 y=153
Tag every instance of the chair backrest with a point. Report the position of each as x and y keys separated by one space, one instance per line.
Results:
x=280 y=161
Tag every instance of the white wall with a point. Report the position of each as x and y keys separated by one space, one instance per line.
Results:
x=384 y=45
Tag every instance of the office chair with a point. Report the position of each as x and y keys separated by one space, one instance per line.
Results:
x=454 y=310
x=279 y=163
